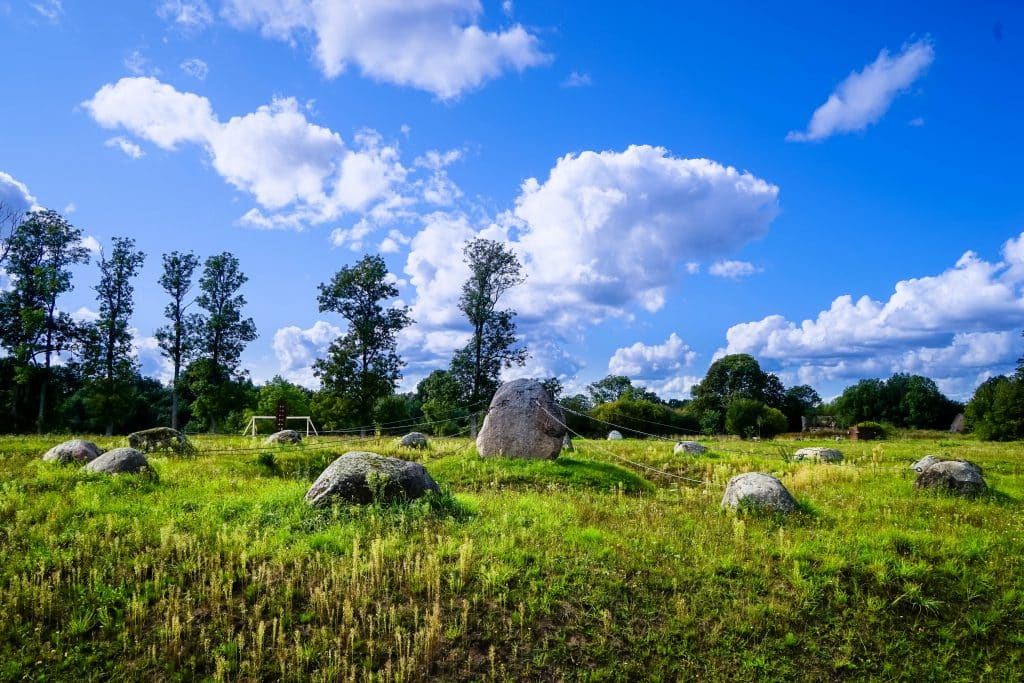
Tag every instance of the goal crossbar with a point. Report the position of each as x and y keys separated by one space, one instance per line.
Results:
x=251 y=427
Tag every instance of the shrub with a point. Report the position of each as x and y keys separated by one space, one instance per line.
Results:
x=747 y=418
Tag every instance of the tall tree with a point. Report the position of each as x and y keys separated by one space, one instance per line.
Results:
x=177 y=339
x=221 y=337
x=39 y=254
x=494 y=269
x=108 y=358
x=362 y=365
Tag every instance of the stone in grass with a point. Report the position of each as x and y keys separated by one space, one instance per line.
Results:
x=414 y=440
x=73 y=451
x=819 y=454
x=119 y=461
x=958 y=477
x=567 y=443
x=523 y=421
x=284 y=436
x=688 y=447
x=924 y=463
x=757 y=490
x=361 y=477
x=615 y=435
x=160 y=439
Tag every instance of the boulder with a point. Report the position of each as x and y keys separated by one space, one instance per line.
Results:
x=615 y=435
x=414 y=440
x=160 y=439
x=523 y=421
x=759 y=491
x=73 y=451
x=119 y=461
x=959 y=424
x=284 y=436
x=688 y=447
x=959 y=477
x=819 y=454
x=924 y=463
x=360 y=477
x=567 y=443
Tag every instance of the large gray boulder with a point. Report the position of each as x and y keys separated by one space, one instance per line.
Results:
x=284 y=436
x=615 y=435
x=361 y=477
x=688 y=448
x=160 y=439
x=414 y=440
x=760 y=491
x=819 y=454
x=959 y=477
x=924 y=463
x=119 y=461
x=73 y=451
x=522 y=422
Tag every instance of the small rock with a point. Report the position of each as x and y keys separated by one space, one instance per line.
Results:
x=414 y=440
x=359 y=477
x=758 y=490
x=615 y=435
x=688 y=447
x=523 y=421
x=119 y=461
x=959 y=477
x=567 y=443
x=284 y=436
x=160 y=439
x=924 y=463
x=819 y=454
x=75 y=450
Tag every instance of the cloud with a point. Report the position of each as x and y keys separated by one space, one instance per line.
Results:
x=196 y=68
x=138 y=64
x=91 y=244
x=733 y=270
x=51 y=10
x=186 y=16
x=297 y=171
x=130 y=149
x=865 y=95
x=15 y=199
x=963 y=321
x=432 y=45
x=604 y=236
x=297 y=349
x=576 y=80
x=657 y=361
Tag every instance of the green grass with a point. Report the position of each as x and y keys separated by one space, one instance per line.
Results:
x=585 y=568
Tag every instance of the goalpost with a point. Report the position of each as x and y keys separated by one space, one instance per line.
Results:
x=251 y=427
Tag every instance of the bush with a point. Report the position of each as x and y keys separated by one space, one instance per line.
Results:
x=868 y=430
x=747 y=418
x=645 y=417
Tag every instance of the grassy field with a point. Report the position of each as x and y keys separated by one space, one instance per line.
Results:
x=585 y=568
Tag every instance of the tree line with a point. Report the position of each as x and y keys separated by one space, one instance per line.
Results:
x=96 y=385
x=66 y=374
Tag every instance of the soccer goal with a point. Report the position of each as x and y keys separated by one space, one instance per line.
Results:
x=251 y=427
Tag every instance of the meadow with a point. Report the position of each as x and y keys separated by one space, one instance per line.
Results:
x=613 y=562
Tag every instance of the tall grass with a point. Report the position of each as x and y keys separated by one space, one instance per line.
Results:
x=581 y=569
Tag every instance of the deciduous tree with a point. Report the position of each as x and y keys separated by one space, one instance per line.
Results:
x=362 y=365
x=177 y=340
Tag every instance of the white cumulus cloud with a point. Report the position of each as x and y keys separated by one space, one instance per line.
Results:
x=963 y=321
x=734 y=270
x=131 y=150
x=196 y=68
x=432 y=45
x=297 y=349
x=15 y=199
x=654 y=361
x=865 y=95
x=299 y=173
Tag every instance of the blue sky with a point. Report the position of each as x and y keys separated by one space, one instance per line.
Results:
x=835 y=190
